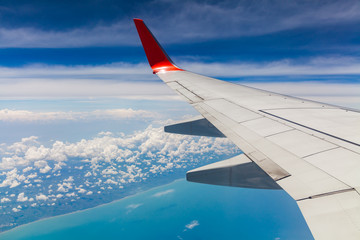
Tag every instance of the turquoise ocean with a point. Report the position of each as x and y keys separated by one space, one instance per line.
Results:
x=179 y=210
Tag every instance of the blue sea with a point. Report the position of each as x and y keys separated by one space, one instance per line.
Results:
x=179 y=210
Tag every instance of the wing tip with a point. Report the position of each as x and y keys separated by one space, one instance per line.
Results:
x=158 y=59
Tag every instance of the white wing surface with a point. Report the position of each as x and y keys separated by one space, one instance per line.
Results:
x=309 y=149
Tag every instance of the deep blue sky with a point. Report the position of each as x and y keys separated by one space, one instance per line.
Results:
x=101 y=32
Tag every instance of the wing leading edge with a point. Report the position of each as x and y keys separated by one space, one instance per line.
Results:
x=309 y=149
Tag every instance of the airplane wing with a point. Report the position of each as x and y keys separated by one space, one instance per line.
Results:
x=309 y=149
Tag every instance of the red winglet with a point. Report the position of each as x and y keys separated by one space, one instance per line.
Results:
x=157 y=57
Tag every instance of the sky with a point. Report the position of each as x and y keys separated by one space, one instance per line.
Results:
x=74 y=77
x=80 y=66
x=54 y=49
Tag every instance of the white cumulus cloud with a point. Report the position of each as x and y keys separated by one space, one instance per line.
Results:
x=41 y=197
x=16 y=210
x=21 y=197
x=163 y=193
x=13 y=179
x=192 y=224
x=4 y=200
x=134 y=205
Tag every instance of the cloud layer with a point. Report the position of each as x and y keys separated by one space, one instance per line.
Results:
x=113 y=114
x=65 y=176
x=107 y=147
x=134 y=81
x=286 y=67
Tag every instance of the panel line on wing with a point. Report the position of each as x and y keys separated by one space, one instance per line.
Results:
x=190 y=90
x=313 y=129
x=288 y=130
x=297 y=108
x=320 y=152
x=326 y=194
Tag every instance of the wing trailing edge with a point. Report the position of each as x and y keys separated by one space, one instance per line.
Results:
x=238 y=171
x=157 y=57
x=198 y=126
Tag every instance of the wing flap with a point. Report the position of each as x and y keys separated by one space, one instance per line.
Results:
x=198 y=126
x=238 y=171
